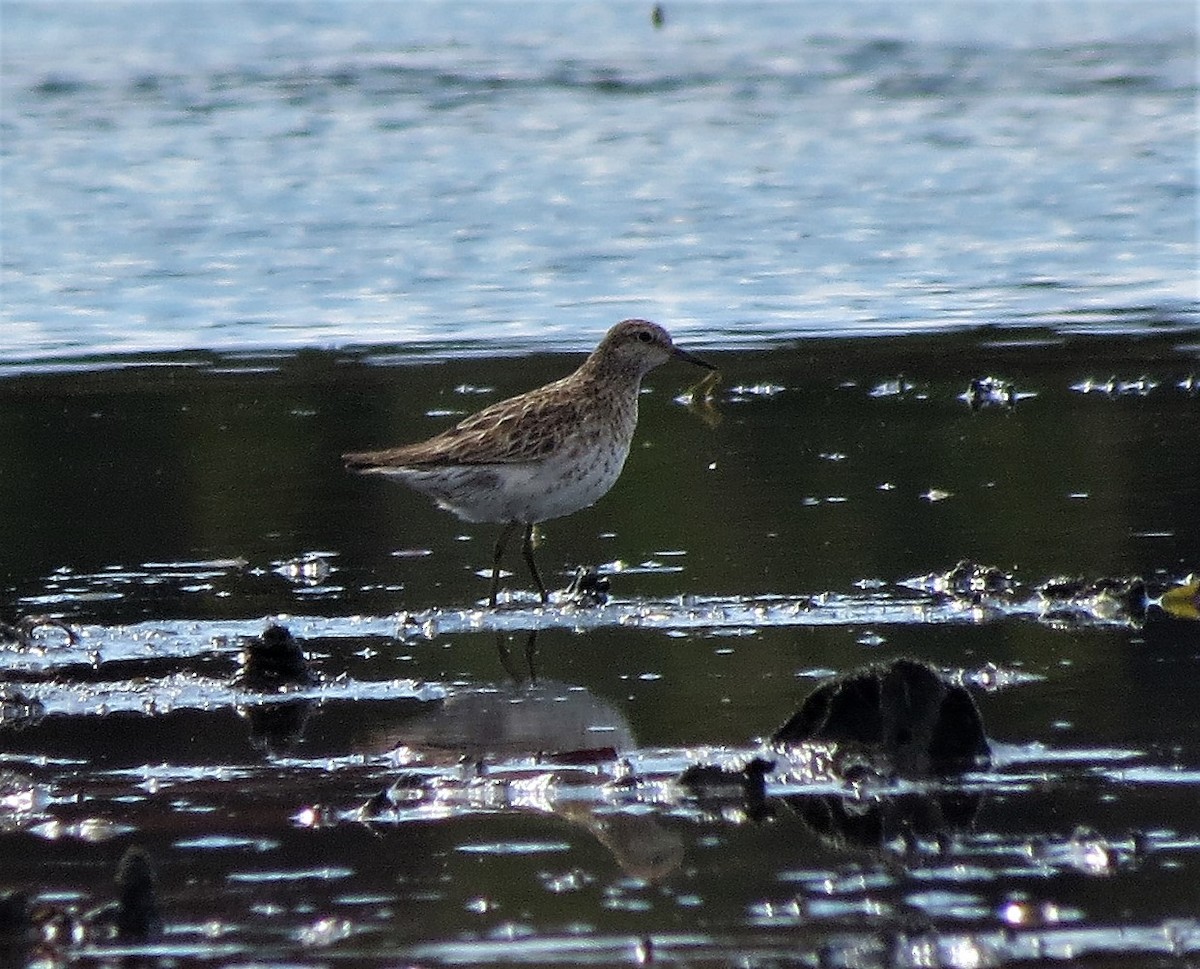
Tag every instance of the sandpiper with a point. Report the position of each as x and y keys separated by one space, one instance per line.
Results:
x=542 y=454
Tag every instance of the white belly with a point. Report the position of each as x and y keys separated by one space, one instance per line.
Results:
x=529 y=492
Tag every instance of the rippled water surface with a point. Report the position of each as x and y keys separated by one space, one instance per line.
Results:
x=944 y=256
x=254 y=175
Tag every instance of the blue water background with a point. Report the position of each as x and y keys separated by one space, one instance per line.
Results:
x=501 y=176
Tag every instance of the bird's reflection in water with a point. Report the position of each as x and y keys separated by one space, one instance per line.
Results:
x=558 y=725
x=868 y=729
x=523 y=717
x=516 y=671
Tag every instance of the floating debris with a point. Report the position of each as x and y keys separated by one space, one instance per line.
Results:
x=991 y=677
x=742 y=391
x=1112 y=387
x=588 y=587
x=699 y=398
x=966 y=579
x=646 y=567
x=897 y=387
x=992 y=392
x=1111 y=599
x=702 y=390
x=1090 y=385
x=1138 y=388
x=406 y=789
x=24 y=632
x=1085 y=851
x=1182 y=601
x=308 y=570
x=936 y=598
x=412 y=553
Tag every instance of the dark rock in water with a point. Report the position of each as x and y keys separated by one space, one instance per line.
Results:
x=901 y=719
x=18 y=928
x=137 y=916
x=273 y=661
x=903 y=716
x=16 y=922
x=588 y=587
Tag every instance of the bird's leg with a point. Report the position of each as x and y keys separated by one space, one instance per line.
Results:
x=530 y=653
x=527 y=551
x=497 y=555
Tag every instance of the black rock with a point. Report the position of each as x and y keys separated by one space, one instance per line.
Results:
x=903 y=714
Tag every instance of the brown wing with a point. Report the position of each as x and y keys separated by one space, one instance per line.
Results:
x=522 y=428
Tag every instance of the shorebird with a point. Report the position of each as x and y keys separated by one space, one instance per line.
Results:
x=542 y=454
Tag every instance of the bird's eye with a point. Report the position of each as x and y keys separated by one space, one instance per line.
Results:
x=645 y=336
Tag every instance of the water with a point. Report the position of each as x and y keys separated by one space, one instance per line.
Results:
x=522 y=176
x=463 y=785
x=241 y=239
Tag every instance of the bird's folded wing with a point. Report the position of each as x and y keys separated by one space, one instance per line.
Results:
x=522 y=429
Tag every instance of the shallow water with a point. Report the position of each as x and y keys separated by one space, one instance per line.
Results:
x=238 y=245
x=524 y=175
x=464 y=785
